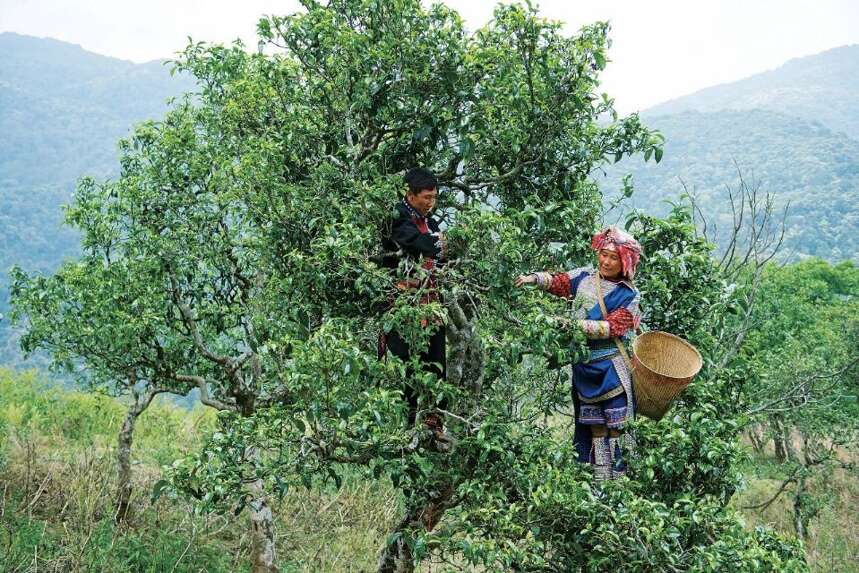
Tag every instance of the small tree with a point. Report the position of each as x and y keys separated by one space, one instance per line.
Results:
x=798 y=391
x=102 y=319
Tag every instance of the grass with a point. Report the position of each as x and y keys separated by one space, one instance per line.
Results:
x=832 y=545
x=57 y=473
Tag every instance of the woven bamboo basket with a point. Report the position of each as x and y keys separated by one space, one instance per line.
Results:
x=662 y=366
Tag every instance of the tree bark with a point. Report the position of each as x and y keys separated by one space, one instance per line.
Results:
x=779 y=442
x=757 y=439
x=123 y=461
x=788 y=444
x=262 y=524
x=125 y=440
x=396 y=557
x=800 y=514
x=799 y=517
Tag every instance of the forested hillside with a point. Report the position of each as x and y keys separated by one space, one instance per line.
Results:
x=792 y=131
x=802 y=163
x=62 y=113
x=63 y=109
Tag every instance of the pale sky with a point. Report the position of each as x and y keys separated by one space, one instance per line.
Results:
x=662 y=48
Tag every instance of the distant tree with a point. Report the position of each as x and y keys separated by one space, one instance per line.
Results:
x=101 y=319
x=787 y=348
x=256 y=209
x=804 y=364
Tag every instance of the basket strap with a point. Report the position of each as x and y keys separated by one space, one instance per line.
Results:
x=620 y=347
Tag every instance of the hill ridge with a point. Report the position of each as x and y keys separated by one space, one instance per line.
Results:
x=819 y=87
x=55 y=42
x=803 y=162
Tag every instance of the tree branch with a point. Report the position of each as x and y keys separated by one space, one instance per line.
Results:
x=785 y=483
x=205 y=397
x=796 y=389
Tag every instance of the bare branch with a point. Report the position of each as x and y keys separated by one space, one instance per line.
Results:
x=785 y=483
x=697 y=211
x=205 y=397
x=800 y=387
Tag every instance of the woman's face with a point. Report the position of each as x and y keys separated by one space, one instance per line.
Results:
x=609 y=263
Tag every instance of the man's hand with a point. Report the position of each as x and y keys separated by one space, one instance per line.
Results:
x=523 y=280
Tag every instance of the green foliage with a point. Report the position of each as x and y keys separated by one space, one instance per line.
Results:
x=62 y=109
x=807 y=332
x=556 y=520
x=691 y=452
x=238 y=251
x=804 y=165
x=68 y=523
x=676 y=260
x=802 y=365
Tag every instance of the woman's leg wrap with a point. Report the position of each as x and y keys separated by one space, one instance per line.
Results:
x=602 y=458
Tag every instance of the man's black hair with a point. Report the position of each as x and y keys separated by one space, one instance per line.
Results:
x=419 y=179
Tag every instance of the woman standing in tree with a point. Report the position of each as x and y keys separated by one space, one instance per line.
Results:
x=602 y=386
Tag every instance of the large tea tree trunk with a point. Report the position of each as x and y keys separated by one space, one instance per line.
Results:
x=241 y=396
x=465 y=361
x=756 y=436
x=123 y=451
x=781 y=438
x=262 y=523
x=262 y=519
x=397 y=555
x=801 y=513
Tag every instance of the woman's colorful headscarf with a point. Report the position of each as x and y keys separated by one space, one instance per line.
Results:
x=627 y=248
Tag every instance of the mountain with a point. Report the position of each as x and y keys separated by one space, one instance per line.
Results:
x=63 y=109
x=804 y=164
x=62 y=112
x=822 y=88
x=793 y=131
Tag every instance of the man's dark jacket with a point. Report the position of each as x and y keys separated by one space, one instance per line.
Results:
x=404 y=234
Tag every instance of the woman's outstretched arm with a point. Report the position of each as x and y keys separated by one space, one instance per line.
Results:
x=557 y=284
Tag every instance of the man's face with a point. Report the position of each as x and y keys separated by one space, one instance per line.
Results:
x=423 y=201
x=609 y=263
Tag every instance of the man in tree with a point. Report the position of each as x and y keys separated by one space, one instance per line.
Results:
x=415 y=245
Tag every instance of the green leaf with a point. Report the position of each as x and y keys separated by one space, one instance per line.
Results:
x=158 y=489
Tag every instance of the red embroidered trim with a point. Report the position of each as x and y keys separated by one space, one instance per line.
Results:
x=560 y=285
x=421 y=224
x=619 y=321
